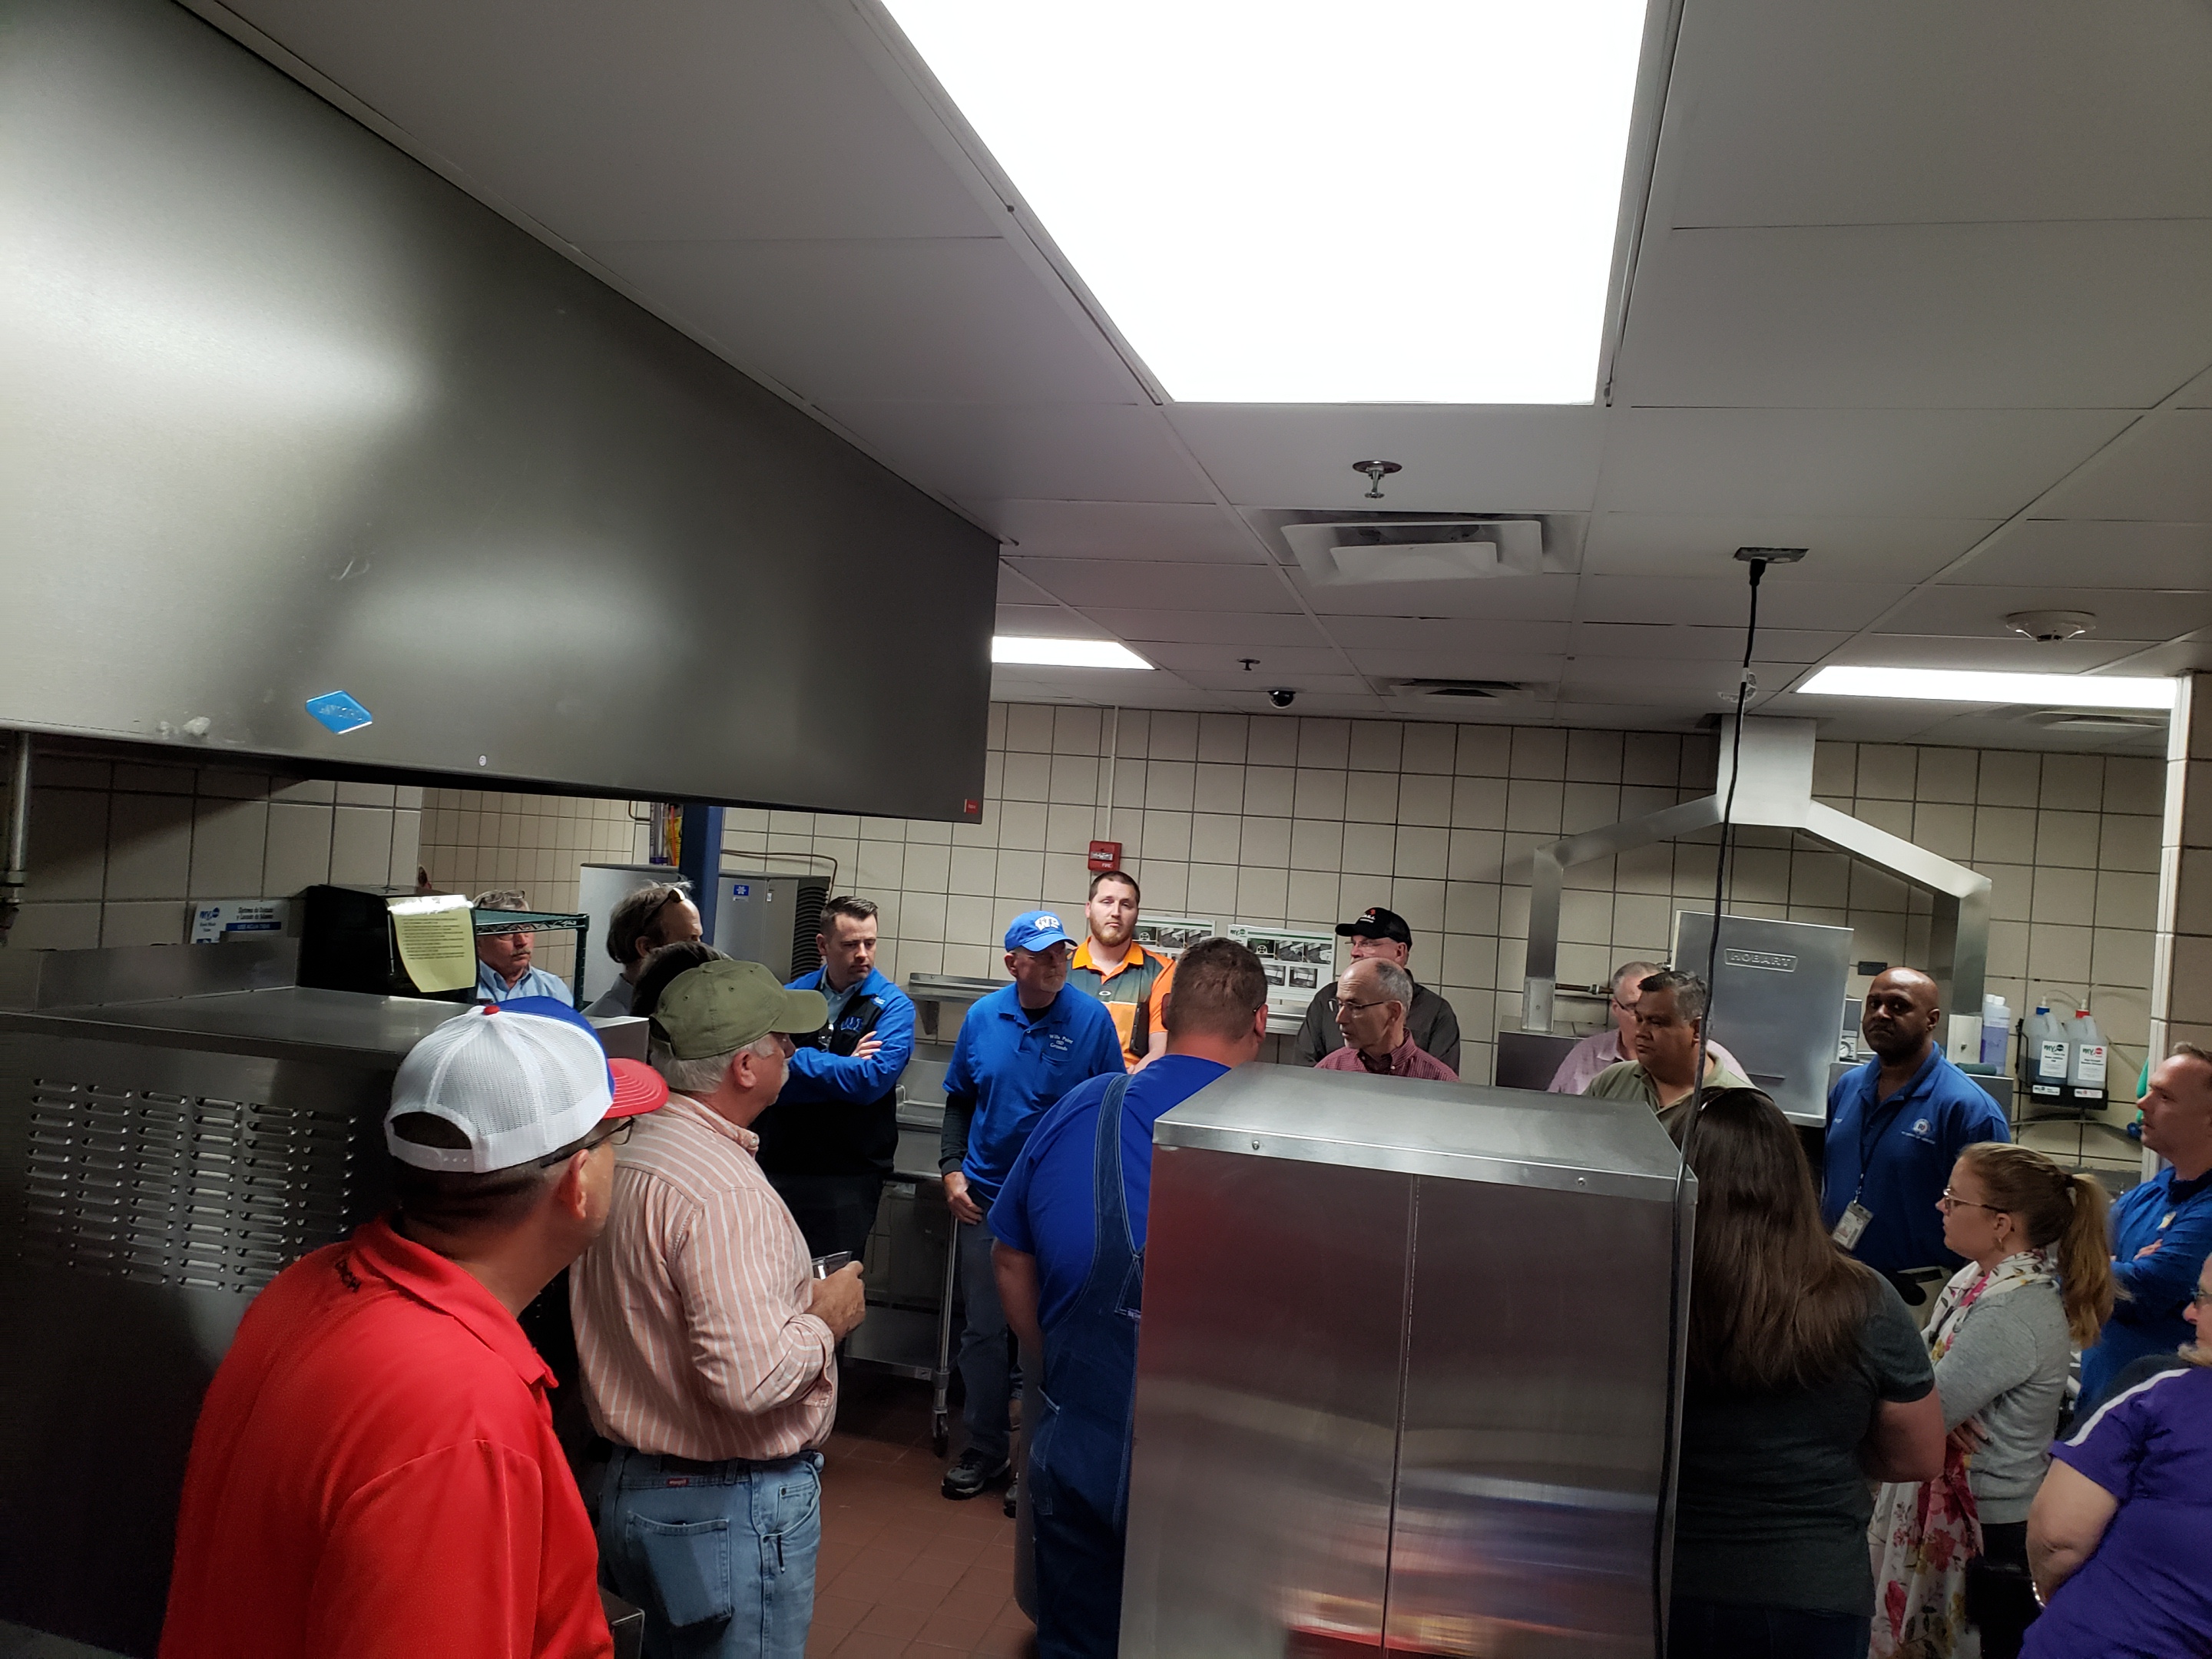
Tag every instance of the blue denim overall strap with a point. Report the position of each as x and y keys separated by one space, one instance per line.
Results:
x=1078 y=1470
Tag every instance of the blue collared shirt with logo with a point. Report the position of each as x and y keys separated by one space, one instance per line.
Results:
x=1910 y=1142
x=534 y=982
x=2154 y=1287
x=1009 y=1067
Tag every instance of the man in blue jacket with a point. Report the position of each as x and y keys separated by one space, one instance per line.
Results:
x=1070 y=1225
x=1896 y=1125
x=830 y=1138
x=2162 y=1230
x=1019 y=1050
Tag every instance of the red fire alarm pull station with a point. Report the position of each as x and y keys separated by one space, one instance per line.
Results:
x=1105 y=855
x=971 y=808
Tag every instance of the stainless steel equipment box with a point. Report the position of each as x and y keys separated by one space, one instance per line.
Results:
x=1777 y=991
x=1404 y=1381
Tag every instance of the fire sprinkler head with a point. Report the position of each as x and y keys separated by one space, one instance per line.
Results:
x=1375 y=471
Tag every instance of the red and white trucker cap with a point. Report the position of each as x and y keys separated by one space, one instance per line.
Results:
x=520 y=1080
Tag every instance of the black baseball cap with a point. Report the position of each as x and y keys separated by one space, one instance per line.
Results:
x=1375 y=923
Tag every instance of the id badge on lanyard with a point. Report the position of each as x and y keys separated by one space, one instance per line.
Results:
x=1851 y=1226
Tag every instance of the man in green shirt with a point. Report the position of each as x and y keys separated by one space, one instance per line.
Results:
x=1670 y=1016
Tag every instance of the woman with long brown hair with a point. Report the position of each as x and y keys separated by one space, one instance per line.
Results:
x=1953 y=1551
x=1805 y=1377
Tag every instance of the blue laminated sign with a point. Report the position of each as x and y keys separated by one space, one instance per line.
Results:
x=338 y=711
x=742 y=890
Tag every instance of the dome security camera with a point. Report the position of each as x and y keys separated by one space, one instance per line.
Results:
x=1282 y=696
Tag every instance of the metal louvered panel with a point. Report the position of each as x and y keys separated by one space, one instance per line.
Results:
x=171 y=1189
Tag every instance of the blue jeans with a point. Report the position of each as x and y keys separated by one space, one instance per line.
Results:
x=720 y=1555
x=986 y=1369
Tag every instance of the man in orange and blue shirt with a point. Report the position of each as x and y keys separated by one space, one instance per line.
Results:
x=1112 y=967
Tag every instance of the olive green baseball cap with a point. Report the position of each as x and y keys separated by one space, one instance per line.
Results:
x=720 y=1007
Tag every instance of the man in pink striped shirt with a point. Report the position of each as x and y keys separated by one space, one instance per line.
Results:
x=709 y=1349
x=1372 y=998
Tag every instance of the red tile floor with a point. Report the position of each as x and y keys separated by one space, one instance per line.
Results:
x=904 y=1571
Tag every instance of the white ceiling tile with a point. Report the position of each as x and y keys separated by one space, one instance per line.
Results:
x=2122 y=613
x=2030 y=316
x=2189 y=655
x=1974 y=110
x=1107 y=687
x=1805 y=605
x=2085 y=557
x=1120 y=530
x=1448 y=636
x=2163 y=470
x=1250 y=587
x=2197 y=394
x=1046 y=621
x=1700 y=643
x=1838 y=549
x=1274 y=659
x=1317 y=684
x=2008 y=652
x=1502 y=460
x=1783 y=463
x=1469 y=664
x=1530 y=598
x=657 y=119
x=990 y=451
x=871 y=320
x=1670 y=683
x=1207 y=627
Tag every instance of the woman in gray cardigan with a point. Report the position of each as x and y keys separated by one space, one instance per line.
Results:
x=1951 y=1553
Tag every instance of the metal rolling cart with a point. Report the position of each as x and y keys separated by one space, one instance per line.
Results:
x=913 y=1272
x=913 y=1268
x=541 y=921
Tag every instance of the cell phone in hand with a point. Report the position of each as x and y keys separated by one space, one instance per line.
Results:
x=826 y=1265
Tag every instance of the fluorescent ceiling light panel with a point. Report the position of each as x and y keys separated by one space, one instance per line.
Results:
x=1969 y=685
x=1063 y=654
x=1282 y=201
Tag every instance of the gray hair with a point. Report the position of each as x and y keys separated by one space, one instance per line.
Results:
x=501 y=898
x=1394 y=981
x=1691 y=999
x=1636 y=972
x=700 y=1078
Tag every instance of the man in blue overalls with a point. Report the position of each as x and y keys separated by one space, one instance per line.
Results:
x=1069 y=1223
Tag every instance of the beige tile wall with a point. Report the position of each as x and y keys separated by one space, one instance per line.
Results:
x=1262 y=819
x=474 y=840
x=1303 y=822
x=119 y=849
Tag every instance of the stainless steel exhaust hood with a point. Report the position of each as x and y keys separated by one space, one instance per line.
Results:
x=1774 y=791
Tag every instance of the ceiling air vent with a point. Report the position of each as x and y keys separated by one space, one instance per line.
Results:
x=1439 y=550
x=1459 y=690
x=2094 y=721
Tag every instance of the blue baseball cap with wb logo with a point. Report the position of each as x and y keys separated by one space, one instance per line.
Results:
x=1035 y=930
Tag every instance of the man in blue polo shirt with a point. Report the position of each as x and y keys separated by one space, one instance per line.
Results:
x=1019 y=1050
x=1070 y=1222
x=1896 y=1125
x=2162 y=1230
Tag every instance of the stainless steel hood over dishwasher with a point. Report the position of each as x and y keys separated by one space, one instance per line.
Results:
x=1405 y=1376
x=311 y=455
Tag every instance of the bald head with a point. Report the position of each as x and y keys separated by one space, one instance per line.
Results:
x=1902 y=1013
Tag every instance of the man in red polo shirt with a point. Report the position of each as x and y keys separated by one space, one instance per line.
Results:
x=375 y=1471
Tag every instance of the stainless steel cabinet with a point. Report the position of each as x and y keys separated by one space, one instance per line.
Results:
x=1405 y=1369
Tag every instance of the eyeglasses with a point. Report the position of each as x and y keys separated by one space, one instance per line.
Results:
x=1947 y=1202
x=615 y=1136
x=1625 y=1007
x=1342 y=1004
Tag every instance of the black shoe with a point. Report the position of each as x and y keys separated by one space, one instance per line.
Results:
x=1013 y=1497
x=972 y=1475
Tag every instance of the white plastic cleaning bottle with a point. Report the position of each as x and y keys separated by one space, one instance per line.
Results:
x=2047 y=1045
x=2084 y=1069
x=1996 y=1028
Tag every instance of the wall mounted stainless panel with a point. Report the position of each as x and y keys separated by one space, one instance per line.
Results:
x=286 y=413
x=1777 y=1000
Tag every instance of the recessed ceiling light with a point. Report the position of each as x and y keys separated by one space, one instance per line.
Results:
x=1971 y=685
x=1063 y=654
x=1284 y=201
